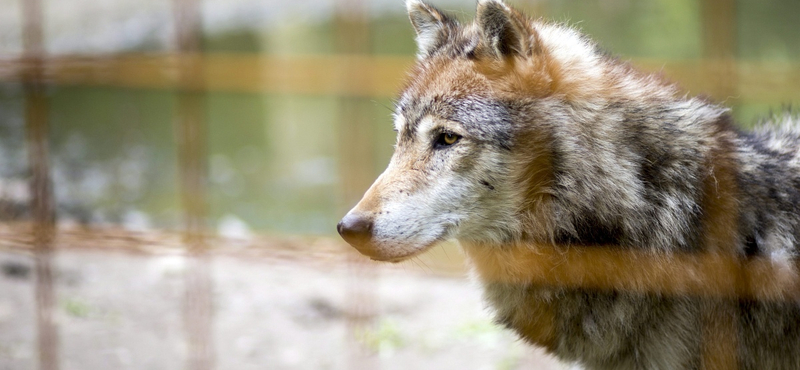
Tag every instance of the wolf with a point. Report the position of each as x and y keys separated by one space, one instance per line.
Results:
x=521 y=138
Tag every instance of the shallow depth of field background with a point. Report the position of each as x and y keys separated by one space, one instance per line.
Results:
x=199 y=154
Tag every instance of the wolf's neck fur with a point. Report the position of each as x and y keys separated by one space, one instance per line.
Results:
x=612 y=142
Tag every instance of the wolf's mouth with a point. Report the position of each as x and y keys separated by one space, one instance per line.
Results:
x=403 y=257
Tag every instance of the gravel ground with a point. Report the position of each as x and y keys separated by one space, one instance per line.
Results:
x=124 y=311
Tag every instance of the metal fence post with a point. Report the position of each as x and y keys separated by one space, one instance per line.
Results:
x=42 y=202
x=190 y=132
x=720 y=318
x=356 y=155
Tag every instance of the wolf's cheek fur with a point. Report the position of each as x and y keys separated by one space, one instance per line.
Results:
x=409 y=223
x=426 y=196
x=406 y=212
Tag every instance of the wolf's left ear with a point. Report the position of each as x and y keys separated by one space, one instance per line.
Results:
x=504 y=30
x=431 y=24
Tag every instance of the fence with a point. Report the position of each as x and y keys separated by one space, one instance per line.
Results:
x=350 y=74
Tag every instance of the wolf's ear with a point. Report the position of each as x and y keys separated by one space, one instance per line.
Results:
x=504 y=30
x=431 y=24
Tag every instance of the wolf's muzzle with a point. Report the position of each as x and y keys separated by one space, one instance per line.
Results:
x=356 y=230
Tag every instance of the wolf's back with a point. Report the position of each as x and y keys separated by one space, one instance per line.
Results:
x=769 y=181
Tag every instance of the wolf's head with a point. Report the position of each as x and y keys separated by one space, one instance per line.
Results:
x=472 y=159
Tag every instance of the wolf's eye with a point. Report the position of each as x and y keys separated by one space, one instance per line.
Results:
x=446 y=139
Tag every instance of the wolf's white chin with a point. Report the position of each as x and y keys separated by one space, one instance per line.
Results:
x=398 y=252
x=401 y=258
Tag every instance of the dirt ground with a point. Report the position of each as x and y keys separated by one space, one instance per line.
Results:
x=124 y=311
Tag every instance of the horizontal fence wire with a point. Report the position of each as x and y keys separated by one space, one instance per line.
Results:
x=603 y=268
x=379 y=75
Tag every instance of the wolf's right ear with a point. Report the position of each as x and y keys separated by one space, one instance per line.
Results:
x=431 y=24
x=504 y=30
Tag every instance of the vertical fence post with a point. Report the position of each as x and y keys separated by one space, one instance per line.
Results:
x=192 y=170
x=720 y=46
x=356 y=153
x=42 y=203
x=720 y=317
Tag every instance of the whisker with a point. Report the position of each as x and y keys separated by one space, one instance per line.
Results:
x=445 y=252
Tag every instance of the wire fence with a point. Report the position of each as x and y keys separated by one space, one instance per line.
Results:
x=350 y=74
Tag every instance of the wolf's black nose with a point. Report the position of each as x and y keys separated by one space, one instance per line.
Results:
x=355 y=229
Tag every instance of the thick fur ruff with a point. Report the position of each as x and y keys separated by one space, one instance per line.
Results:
x=515 y=134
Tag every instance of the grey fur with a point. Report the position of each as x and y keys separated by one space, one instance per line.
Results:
x=630 y=170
